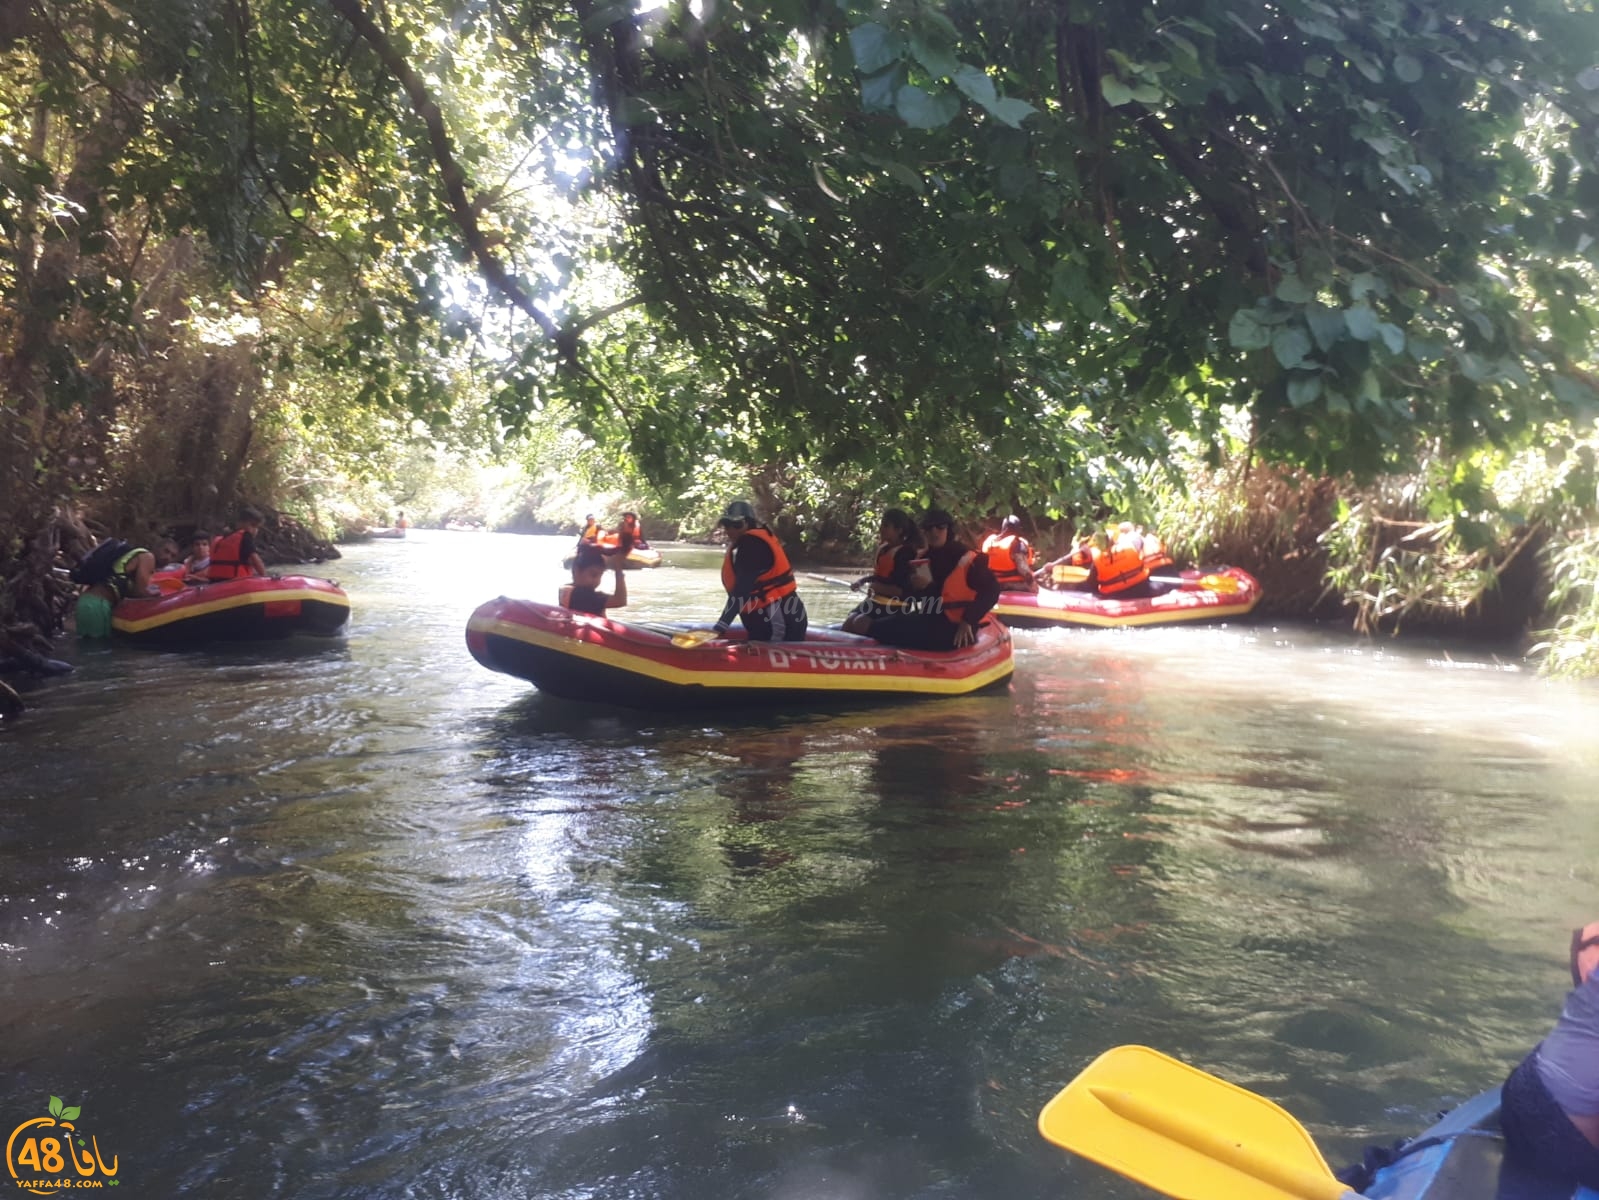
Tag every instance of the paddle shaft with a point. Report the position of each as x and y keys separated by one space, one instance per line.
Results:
x=832 y=579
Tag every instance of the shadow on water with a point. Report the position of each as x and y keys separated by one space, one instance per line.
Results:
x=370 y=921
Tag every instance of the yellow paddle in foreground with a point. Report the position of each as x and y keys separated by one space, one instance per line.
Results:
x=1190 y=1135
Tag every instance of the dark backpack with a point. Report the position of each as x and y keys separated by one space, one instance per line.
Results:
x=96 y=565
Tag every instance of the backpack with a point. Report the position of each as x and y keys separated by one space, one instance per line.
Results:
x=96 y=565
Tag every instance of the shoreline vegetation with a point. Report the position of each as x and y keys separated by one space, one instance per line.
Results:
x=1328 y=312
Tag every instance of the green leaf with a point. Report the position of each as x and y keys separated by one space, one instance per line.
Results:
x=905 y=175
x=1408 y=69
x=1326 y=324
x=1290 y=345
x=878 y=91
x=1293 y=290
x=921 y=110
x=1588 y=79
x=940 y=63
x=1392 y=336
x=1010 y=111
x=874 y=47
x=1116 y=92
x=1303 y=389
x=976 y=85
x=1361 y=322
x=70 y=1113
x=1246 y=332
x=1575 y=394
x=55 y=1106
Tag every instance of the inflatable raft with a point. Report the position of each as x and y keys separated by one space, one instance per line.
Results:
x=580 y=657
x=1462 y=1157
x=638 y=557
x=1202 y=596
x=236 y=610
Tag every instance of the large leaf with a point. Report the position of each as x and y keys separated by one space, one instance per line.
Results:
x=922 y=110
x=1290 y=345
x=874 y=47
x=976 y=85
x=1246 y=332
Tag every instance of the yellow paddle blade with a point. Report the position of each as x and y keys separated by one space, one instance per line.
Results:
x=1224 y=584
x=692 y=638
x=1190 y=1135
x=1070 y=574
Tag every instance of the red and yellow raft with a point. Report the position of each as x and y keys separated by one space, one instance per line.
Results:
x=260 y=608
x=1208 y=595
x=580 y=657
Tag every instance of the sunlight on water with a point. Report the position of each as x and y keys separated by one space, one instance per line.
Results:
x=367 y=920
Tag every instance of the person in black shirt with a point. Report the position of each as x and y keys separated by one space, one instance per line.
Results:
x=955 y=600
x=583 y=594
x=759 y=581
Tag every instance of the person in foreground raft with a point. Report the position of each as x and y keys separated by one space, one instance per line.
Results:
x=1549 y=1106
x=583 y=594
x=961 y=593
x=760 y=585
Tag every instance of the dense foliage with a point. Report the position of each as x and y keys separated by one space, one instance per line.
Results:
x=999 y=252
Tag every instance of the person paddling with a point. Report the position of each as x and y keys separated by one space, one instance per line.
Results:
x=761 y=591
x=1010 y=558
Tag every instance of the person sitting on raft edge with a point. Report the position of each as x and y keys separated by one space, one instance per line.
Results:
x=1010 y=558
x=963 y=589
x=583 y=594
x=760 y=585
x=1549 y=1106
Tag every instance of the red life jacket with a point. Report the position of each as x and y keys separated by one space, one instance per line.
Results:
x=958 y=592
x=225 y=560
x=887 y=555
x=774 y=583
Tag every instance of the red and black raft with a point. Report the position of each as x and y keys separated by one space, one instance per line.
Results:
x=1202 y=595
x=261 y=608
x=581 y=657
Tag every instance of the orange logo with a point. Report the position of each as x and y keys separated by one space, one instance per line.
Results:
x=48 y=1153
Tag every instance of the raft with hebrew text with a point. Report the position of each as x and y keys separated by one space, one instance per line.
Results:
x=261 y=608
x=1204 y=595
x=581 y=657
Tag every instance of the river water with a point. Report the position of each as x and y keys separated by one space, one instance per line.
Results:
x=367 y=920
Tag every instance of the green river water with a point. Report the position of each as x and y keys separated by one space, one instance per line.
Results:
x=367 y=920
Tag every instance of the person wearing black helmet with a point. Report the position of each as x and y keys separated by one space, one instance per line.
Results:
x=958 y=594
x=760 y=585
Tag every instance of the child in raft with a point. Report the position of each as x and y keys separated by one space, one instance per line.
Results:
x=583 y=594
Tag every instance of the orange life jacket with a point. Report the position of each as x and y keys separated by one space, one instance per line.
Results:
x=775 y=583
x=958 y=591
x=1155 y=556
x=1120 y=567
x=887 y=556
x=225 y=561
x=1001 y=551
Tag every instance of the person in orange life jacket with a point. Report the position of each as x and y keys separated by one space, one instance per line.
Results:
x=1549 y=1106
x=961 y=591
x=1084 y=555
x=1010 y=557
x=234 y=556
x=591 y=529
x=899 y=544
x=1120 y=572
x=630 y=533
x=583 y=594
x=760 y=583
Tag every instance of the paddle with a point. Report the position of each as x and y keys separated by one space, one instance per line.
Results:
x=1226 y=585
x=1190 y=1135
x=832 y=579
x=690 y=638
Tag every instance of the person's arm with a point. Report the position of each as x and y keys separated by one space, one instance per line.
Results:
x=564 y=596
x=982 y=582
x=618 y=598
x=752 y=558
x=1022 y=555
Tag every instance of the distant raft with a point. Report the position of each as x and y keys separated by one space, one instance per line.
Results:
x=580 y=657
x=637 y=558
x=261 y=608
x=1203 y=595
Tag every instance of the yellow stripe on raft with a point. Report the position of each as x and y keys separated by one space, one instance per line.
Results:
x=241 y=600
x=843 y=681
x=1164 y=616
